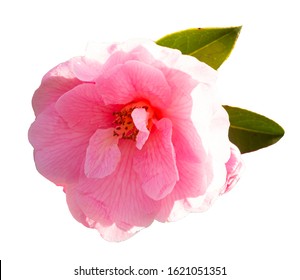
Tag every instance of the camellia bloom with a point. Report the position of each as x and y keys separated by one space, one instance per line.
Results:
x=118 y=130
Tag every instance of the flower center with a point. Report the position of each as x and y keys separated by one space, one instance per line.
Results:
x=125 y=127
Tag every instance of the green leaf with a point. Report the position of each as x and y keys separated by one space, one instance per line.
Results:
x=209 y=45
x=250 y=131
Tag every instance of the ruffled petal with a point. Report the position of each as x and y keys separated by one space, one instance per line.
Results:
x=214 y=188
x=114 y=233
x=173 y=59
x=102 y=155
x=187 y=142
x=180 y=106
x=219 y=130
x=194 y=180
x=84 y=110
x=75 y=209
x=156 y=162
x=212 y=123
x=134 y=80
x=127 y=51
x=234 y=168
x=85 y=69
x=116 y=199
x=182 y=85
x=200 y=71
x=59 y=151
x=54 y=84
x=140 y=120
x=186 y=139
x=195 y=193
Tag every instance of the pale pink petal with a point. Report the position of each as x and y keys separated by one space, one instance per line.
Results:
x=216 y=185
x=117 y=198
x=182 y=85
x=140 y=120
x=213 y=129
x=134 y=80
x=59 y=151
x=75 y=209
x=114 y=233
x=84 y=109
x=204 y=74
x=60 y=70
x=107 y=229
x=181 y=103
x=102 y=155
x=134 y=46
x=234 y=167
x=212 y=123
x=121 y=53
x=219 y=130
x=54 y=84
x=186 y=139
x=85 y=69
x=194 y=180
x=187 y=142
x=85 y=207
x=115 y=59
x=99 y=52
x=156 y=162
x=161 y=55
x=173 y=59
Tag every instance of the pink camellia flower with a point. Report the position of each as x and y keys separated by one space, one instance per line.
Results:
x=119 y=131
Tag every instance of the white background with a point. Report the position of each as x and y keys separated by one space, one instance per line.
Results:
x=253 y=230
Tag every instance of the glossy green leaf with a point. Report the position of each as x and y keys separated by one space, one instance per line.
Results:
x=251 y=131
x=209 y=45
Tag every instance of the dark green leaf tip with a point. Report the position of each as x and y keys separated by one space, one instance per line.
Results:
x=250 y=131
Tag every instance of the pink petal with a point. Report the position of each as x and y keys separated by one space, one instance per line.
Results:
x=114 y=233
x=199 y=188
x=187 y=142
x=156 y=163
x=140 y=120
x=85 y=207
x=59 y=151
x=199 y=71
x=84 y=110
x=173 y=59
x=233 y=166
x=103 y=154
x=117 y=198
x=212 y=123
x=74 y=208
x=182 y=85
x=99 y=52
x=134 y=80
x=180 y=106
x=219 y=130
x=107 y=229
x=54 y=84
x=216 y=185
x=121 y=53
x=85 y=69
x=194 y=180
x=186 y=139
x=117 y=57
